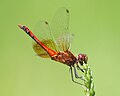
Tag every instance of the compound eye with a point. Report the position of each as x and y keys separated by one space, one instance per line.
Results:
x=81 y=57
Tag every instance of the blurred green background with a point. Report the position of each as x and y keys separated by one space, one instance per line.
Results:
x=96 y=25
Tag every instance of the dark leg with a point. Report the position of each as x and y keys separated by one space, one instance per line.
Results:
x=75 y=72
x=76 y=75
x=73 y=78
x=78 y=67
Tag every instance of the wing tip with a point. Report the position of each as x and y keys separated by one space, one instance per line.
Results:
x=67 y=10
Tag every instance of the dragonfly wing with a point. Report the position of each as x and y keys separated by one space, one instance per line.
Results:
x=42 y=31
x=60 y=29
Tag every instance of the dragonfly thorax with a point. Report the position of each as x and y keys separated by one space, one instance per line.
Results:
x=65 y=57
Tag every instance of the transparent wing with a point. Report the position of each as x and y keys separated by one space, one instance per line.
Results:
x=43 y=33
x=60 y=29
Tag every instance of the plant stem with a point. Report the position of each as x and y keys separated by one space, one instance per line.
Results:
x=88 y=83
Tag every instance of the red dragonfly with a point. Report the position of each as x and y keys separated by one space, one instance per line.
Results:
x=54 y=42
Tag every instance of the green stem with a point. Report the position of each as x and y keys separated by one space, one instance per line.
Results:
x=89 y=84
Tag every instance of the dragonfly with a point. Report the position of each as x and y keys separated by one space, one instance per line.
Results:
x=55 y=41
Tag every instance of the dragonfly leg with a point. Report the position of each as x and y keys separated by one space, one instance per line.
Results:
x=76 y=74
x=78 y=67
x=73 y=78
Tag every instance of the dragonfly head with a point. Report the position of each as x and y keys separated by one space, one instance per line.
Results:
x=82 y=58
